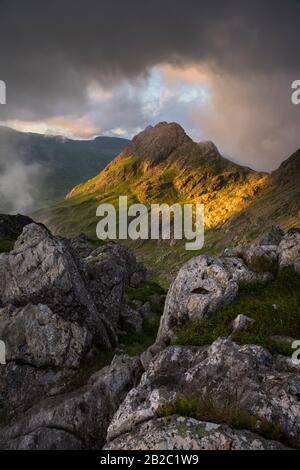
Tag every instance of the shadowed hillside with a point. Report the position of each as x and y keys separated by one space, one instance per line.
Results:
x=53 y=164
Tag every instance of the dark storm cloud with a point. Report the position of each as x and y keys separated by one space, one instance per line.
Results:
x=49 y=51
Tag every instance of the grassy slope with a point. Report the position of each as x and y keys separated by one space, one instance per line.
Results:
x=168 y=182
x=275 y=307
x=78 y=214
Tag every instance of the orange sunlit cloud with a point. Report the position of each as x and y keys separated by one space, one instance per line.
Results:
x=72 y=127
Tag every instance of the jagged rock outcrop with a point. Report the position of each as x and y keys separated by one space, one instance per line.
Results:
x=22 y=386
x=181 y=433
x=133 y=273
x=155 y=144
x=37 y=336
x=289 y=250
x=43 y=269
x=58 y=308
x=246 y=378
x=261 y=259
x=82 y=245
x=204 y=285
x=76 y=420
x=258 y=258
x=110 y=269
x=54 y=315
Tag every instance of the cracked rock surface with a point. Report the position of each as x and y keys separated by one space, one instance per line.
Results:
x=59 y=309
x=247 y=377
x=75 y=420
x=181 y=433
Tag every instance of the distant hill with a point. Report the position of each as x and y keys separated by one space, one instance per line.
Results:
x=162 y=164
x=63 y=162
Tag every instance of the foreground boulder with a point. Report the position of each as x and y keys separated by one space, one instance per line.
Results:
x=76 y=420
x=181 y=433
x=224 y=376
x=82 y=245
x=206 y=284
x=203 y=286
x=261 y=259
x=110 y=268
x=37 y=336
x=56 y=317
x=134 y=273
x=289 y=250
x=45 y=270
x=24 y=385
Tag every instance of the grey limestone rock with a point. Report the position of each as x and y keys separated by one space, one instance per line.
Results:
x=74 y=420
x=246 y=378
x=182 y=433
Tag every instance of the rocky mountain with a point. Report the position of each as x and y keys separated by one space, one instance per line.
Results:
x=62 y=163
x=59 y=315
x=212 y=379
x=162 y=164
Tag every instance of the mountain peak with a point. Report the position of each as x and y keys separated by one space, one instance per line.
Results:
x=156 y=143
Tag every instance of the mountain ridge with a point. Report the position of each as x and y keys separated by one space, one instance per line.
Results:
x=163 y=165
x=158 y=150
x=62 y=163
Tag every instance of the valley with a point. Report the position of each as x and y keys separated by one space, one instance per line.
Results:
x=48 y=166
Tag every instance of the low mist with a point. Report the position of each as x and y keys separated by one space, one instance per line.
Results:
x=20 y=182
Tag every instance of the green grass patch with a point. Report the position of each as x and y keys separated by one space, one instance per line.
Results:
x=144 y=293
x=275 y=307
x=206 y=410
x=136 y=343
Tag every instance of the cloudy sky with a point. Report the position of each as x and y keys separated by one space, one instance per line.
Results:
x=222 y=69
